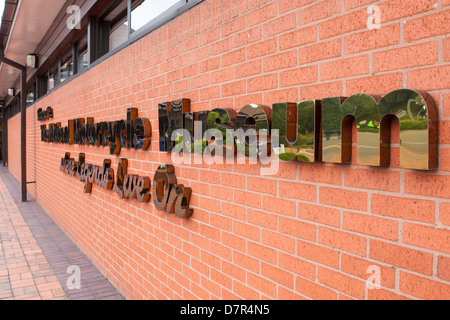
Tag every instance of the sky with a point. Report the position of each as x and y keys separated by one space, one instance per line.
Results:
x=2 y=6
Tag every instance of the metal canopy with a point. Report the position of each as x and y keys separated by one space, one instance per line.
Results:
x=24 y=25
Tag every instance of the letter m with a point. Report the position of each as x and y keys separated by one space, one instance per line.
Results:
x=170 y=115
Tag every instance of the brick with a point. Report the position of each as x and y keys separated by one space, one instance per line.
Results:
x=381 y=84
x=443 y=268
x=352 y=4
x=322 y=10
x=298 y=38
x=344 y=24
x=299 y=191
x=318 y=253
x=279 y=241
x=358 y=267
x=320 y=51
x=427 y=26
x=275 y=96
x=406 y=57
x=262 y=219
x=370 y=225
x=444 y=159
x=433 y=238
x=222 y=75
x=233 y=26
x=233 y=57
x=209 y=36
x=262 y=252
x=247 y=230
x=233 y=210
x=262 y=185
x=381 y=294
x=344 y=68
x=234 y=242
x=232 y=180
x=209 y=93
x=320 y=173
x=429 y=78
x=332 y=89
x=261 y=83
x=403 y=208
x=247 y=199
x=246 y=37
x=278 y=275
x=297 y=228
x=342 y=240
x=444 y=132
x=444 y=213
x=280 y=61
x=200 y=81
x=343 y=283
x=403 y=257
x=447 y=49
x=246 y=262
x=427 y=184
x=343 y=198
x=319 y=214
x=287 y=5
x=233 y=88
x=245 y=292
x=280 y=206
x=261 y=15
x=248 y=69
x=298 y=266
x=373 y=39
x=279 y=25
x=423 y=288
x=261 y=284
x=372 y=179
x=285 y=294
x=222 y=46
x=396 y=9
x=295 y=77
x=314 y=290
x=222 y=193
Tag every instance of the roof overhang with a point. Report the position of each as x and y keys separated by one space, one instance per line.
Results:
x=28 y=21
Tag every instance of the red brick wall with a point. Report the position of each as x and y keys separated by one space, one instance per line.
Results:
x=312 y=230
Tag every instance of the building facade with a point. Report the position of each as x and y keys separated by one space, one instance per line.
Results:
x=311 y=229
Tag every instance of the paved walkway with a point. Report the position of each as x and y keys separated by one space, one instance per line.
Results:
x=37 y=259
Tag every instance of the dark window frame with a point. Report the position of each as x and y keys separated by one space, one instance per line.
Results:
x=97 y=47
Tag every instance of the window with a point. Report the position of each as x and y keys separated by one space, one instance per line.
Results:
x=31 y=94
x=51 y=80
x=144 y=11
x=118 y=22
x=83 y=57
x=126 y=17
x=66 y=66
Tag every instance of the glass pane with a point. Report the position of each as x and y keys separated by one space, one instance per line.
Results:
x=83 y=58
x=144 y=11
x=51 y=81
x=30 y=97
x=118 y=35
x=66 y=67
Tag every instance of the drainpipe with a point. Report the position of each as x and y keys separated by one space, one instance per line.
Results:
x=23 y=120
x=4 y=133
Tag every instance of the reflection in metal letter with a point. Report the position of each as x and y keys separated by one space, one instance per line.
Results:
x=252 y=119
x=171 y=118
x=299 y=130
x=417 y=116
x=164 y=178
